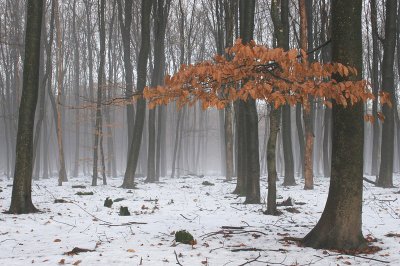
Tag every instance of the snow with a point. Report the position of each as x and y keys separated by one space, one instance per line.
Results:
x=43 y=238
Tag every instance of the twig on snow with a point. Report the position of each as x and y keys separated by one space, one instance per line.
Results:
x=188 y=218
x=177 y=260
x=369 y=181
x=231 y=232
x=250 y=261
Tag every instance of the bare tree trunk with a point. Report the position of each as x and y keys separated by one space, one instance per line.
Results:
x=307 y=116
x=250 y=118
x=340 y=224
x=62 y=176
x=271 y=161
x=21 y=200
x=75 y=172
x=100 y=81
x=230 y=8
x=125 y=26
x=375 y=88
x=41 y=103
x=141 y=103
x=385 y=178
x=160 y=12
x=111 y=163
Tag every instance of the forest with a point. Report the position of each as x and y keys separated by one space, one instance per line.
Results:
x=199 y=132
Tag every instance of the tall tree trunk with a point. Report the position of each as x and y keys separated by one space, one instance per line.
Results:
x=385 y=178
x=283 y=42
x=75 y=172
x=307 y=116
x=41 y=103
x=181 y=61
x=375 y=88
x=340 y=224
x=160 y=12
x=21 y=199
x=125 y=26
x=62 y=175
x=134 y=147
x=274 y=114
x=250 y=118
x=110 y=88
x=100 y=81
x=230 y=8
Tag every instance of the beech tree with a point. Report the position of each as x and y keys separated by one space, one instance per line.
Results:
x=21 y=200
x=340 y=224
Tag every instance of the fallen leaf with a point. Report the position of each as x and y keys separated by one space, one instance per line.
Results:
x=77 y=262
x=62 y=261
x=131 y=250
x=57 y=240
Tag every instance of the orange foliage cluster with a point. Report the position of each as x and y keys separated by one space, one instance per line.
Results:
x=271 y=75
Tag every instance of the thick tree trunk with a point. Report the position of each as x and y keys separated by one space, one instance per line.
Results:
x=385 y=178
x=250 y=123
x=21 y=199
x=340 y=224
x=134 y=148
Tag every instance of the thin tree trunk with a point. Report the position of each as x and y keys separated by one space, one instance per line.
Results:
x=75 y=172
x=307 y=116
x=385 y=178
x=100 y=81
x=62 y=176
x=375 y=88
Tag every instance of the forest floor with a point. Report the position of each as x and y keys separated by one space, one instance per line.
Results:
x=49 y=237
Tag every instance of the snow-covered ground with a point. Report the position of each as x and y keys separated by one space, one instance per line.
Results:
x=171 y=205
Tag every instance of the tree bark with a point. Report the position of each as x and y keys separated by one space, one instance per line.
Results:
x=385 y=178
x=249 y=121
x=62 y=175
x=340 y=224
x=21 y=199
x=307 y=115
x=75 y=172
x=134 y=148
x=160 y=12
x=375 y=88
x=100 y=81
x=271 y=161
